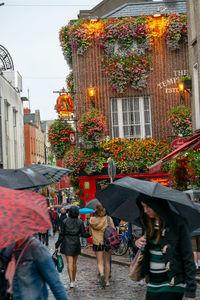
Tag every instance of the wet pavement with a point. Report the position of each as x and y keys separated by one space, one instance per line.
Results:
x=88 y=287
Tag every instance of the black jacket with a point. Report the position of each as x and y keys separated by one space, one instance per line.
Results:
x=69 y=237
x=177 y=253
x=61 y=218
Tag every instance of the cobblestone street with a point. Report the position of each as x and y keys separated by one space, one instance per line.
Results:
x=121 y=287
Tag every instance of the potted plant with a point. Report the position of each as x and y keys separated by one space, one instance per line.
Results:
x=187 y=81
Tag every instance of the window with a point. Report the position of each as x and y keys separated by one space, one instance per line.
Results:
x=1 y=151
x=15 y=136
x=7 y=134
x=131 y=117
x=196 y=97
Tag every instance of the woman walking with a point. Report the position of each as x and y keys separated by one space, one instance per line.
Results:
x=69 y=239
x=168 y=262
x=98 y=225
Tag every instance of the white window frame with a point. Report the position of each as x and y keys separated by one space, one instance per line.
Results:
x=120 y=117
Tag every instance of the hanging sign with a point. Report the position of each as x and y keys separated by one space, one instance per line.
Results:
x=72 y=138
x=64 y=106
x=177 y=143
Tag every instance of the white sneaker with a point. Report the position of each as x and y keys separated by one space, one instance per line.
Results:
x=107 y=283
x=71 y=285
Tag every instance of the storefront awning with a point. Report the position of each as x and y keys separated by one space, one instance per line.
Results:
x=191 y=143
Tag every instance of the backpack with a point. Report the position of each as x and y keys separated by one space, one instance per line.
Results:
x=111 y=239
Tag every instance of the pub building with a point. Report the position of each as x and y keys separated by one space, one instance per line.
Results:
x=133 y=108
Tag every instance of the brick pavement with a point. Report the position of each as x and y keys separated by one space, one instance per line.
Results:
x=121 y=288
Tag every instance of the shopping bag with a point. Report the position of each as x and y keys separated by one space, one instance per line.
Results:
x=60 y=264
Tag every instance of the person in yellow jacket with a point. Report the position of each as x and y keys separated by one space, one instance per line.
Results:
x=97 y=226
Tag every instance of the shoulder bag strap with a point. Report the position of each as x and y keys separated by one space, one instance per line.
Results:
x=108 y=220
x=22 y=252
x=11 y=268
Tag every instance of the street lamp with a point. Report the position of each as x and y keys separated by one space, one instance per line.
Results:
x=91 y=92
x=182 y=89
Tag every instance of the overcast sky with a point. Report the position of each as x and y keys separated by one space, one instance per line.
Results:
x=29 y=31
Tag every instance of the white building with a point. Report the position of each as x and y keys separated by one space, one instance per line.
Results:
x=193 y=11
x=11 y=120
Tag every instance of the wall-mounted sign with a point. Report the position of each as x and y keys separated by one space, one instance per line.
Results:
x=177 y=143
x=86 y=185
x=170 y=84
x=64 y=106
x=72 y=138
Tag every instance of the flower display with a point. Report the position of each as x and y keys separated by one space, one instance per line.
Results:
x=193 y=168
x=64 y=38
x=124 y=41
x=178 y=178
x=129 y=156
x=124 y=32
x=176 y=30
x=135 y=155
x=180 y=118
x=70 y=84
x=184 y=171
x=124 y=71
x=91 y=128
x=58 y=136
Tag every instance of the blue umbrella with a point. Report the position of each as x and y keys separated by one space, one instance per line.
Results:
x=85 y=210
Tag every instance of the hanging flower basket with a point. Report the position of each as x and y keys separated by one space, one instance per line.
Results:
x=58 y=136
x=92 y=128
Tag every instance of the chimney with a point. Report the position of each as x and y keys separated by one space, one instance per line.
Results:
x=27 y=111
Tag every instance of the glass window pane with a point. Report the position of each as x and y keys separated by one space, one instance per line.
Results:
x=126 y=133
x=146 y=117
x=137 y=131
x=116 y=132
x=137 y=117
x=131 y=131
x=125 y=118
x=136 y=104
x=146 y=103
x=115 y=119
x=125 y=104
x=147 y=130
x=131 y=118
x=130 y=104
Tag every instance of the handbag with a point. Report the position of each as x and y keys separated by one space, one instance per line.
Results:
x=60 y=263
x=136 y=266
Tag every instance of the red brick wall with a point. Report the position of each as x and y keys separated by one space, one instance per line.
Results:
x=166 y=65
x=30 y=144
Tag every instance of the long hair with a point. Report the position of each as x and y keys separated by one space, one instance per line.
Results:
x=100 y=210
x=149 y=226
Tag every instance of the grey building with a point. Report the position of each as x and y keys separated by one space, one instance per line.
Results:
x=193 y=11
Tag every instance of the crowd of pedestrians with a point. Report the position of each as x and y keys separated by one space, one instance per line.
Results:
x=26 y=267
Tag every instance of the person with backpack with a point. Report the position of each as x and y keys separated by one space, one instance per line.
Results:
x=30 y=270
x=97 y=228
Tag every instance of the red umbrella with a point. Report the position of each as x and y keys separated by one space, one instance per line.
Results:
x=22 y=213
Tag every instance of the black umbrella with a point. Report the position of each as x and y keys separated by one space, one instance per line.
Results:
x=92 y=203
x=20 y=179
x=119 y=199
